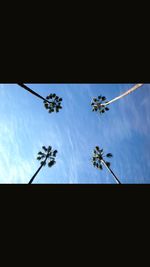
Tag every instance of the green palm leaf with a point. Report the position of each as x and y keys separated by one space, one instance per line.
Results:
x=100 y=167
x=108 y=164
x=109 y=155
x=49 y=148
x=46 y=105
x=45 y=149
x=40 y=153
x=51 y=163
x=43 y=163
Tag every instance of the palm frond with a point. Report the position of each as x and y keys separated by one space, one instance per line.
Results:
x=100 y=167
x=51 y=163
x=44 y=148
x=55 y=152
x=51 y=96
x=40 y=153
x=109 y=155
x=46 y=105
x=49 y=148
x=108 y=164
x=43 y=163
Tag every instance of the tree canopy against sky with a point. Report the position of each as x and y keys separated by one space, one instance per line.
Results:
x=99 y=160
x=44 y=156
x=25 y=126
x=100 y=103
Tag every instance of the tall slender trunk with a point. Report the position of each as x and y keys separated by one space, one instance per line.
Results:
x=32 y=92
x=124 y=94
x=117 y=180
x=30 y=182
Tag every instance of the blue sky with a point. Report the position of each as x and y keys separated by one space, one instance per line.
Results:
x=25 y=126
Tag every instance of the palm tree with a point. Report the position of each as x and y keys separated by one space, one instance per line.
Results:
x=49 y=154
x=100 y=104
x=98 y=161
x=53 y=105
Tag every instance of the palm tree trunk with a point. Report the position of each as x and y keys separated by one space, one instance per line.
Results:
x=32 y=92
x=124 y=94
x=30 y=182
x=117 y=180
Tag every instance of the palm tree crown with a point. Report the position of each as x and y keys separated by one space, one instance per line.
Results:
x=98 y=157
x=99 y=161
x=100 y=104
x=43 y=156
x=54 y=104
x=47 y=154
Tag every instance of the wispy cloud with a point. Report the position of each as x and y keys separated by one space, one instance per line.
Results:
x=14 y=167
